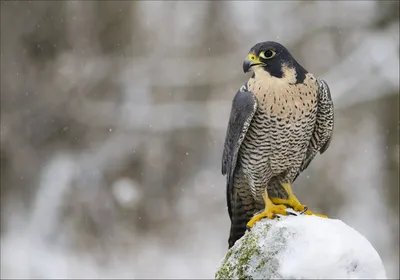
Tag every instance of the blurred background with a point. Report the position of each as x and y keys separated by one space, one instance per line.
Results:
x=113 y=117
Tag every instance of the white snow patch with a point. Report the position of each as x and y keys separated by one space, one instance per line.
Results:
x=302 y=247
x=326 y=248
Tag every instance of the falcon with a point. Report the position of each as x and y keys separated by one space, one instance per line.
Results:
x=280 y=119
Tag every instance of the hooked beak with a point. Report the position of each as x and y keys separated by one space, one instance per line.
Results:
x=250 y=61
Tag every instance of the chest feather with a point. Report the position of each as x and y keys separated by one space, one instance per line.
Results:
x=280 y=98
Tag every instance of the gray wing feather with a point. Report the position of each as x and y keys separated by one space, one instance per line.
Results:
x=323 y=130
x=244 y=105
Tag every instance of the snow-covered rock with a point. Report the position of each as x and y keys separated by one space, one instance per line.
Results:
x=295 y=247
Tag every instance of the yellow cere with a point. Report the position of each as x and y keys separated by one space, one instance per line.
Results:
x=253 y=58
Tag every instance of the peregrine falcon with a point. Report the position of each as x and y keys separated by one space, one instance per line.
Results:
x=280 y=119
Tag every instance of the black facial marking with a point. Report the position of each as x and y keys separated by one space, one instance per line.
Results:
x=274 y=69
x=300 y=71
x=282 y=57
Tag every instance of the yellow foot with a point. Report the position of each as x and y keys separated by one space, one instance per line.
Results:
x=269 y=212
x=293 y=202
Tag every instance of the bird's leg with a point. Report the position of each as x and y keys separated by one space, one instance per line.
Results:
x=269 y=212
x=293 y=202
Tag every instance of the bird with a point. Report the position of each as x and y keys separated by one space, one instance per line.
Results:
x=280 y=119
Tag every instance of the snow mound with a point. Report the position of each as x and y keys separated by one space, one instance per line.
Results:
x=295 y=247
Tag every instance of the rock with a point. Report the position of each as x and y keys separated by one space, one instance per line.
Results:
x=295 y=247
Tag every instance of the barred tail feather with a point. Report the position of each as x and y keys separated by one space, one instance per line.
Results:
x=238 y=223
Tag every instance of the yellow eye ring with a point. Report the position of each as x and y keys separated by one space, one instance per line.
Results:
x=267 y=54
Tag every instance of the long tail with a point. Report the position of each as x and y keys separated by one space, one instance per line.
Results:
x=243 y=209
x=239 y=221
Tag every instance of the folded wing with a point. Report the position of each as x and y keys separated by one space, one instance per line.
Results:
x=244 y=106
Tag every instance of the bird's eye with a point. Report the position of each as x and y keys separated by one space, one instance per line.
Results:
x=267 y=54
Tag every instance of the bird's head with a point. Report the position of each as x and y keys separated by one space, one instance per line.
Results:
x=273 y=58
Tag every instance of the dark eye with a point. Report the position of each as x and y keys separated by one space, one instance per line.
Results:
x=267 y=54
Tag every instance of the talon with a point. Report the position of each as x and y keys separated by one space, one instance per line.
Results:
x=305 y=210
x=271 y=211
x=308 y=212
x=293 y=202
x=291 y=213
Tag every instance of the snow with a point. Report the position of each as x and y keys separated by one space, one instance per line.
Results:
x=302 y=246
x=127 y=192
